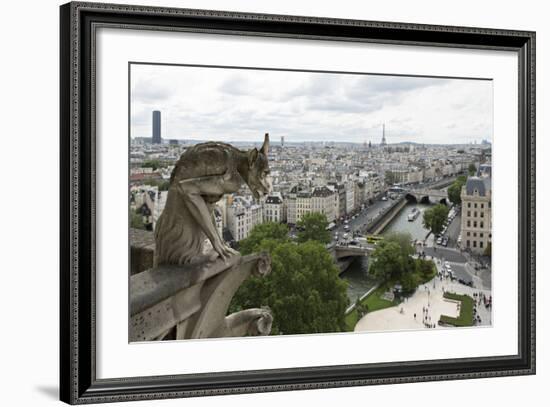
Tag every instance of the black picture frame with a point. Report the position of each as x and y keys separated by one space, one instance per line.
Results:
x=78 y=382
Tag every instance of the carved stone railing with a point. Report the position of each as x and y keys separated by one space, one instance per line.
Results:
x=192 y=301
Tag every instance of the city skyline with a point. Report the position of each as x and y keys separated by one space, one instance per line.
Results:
x=199 y=103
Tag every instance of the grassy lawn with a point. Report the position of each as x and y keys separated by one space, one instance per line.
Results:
x=374 y=302
x=466 y=310
x=351 y=320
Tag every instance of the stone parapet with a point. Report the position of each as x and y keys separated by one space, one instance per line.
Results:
x=191 y=301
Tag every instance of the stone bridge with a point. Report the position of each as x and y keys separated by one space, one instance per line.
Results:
x=420 y=195
x=344 y=255
x=340 y=252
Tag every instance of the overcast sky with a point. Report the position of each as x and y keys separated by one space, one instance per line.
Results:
x=243 y=104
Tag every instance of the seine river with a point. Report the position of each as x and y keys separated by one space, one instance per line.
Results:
x=357 y=276
x=401 y=223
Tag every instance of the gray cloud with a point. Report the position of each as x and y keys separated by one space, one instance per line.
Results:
x=229 y=104
x=398 y=84
x=151 y=91
x=235 y=85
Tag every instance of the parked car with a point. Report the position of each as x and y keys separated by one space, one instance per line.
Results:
x=469 y=283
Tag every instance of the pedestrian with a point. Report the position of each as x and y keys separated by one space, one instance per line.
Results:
x=415 y=315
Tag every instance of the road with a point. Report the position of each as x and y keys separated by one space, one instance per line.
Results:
x=460 y=263
x=445 y=254
x=373 y=210
x=454 y=230
x=363 y=217
x=461 y=266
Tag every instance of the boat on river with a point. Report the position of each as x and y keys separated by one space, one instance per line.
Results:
x=413 y=215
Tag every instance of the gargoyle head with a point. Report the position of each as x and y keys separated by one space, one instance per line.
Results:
x=258 y=178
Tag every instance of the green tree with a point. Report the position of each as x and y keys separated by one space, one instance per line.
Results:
x=409 y=281
x=303 y=290
x=313 y=226
x=435 y=217
x=425 y=269
x=162 y=184
x=154 y=164
x=391 y=178
x=136 y=221
x=269 y=231
x=403 y=239
x=472 y=169
x=386 y=262
x=453 y=192
x=392 y=262
x=392 y=257
x=420 y=272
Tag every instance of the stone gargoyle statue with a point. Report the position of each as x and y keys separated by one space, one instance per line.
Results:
x=202 y=175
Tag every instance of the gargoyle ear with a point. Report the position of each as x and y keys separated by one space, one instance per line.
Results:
x=265 y=147
x=252 y=156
